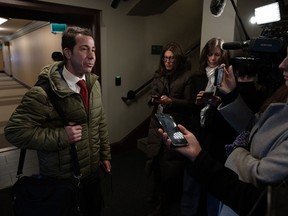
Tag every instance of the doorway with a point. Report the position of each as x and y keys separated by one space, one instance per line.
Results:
x=57 y=13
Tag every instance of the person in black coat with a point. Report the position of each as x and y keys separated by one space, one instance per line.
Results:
x=211 y=128
x=220 y=181
x=170 y=94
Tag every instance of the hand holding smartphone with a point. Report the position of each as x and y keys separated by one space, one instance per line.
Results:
x=219 y=72
x=208 y=94
x=155 y=96
x=170 y=127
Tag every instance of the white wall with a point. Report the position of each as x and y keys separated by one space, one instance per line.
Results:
x=222 y=26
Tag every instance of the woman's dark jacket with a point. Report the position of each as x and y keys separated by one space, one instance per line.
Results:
x=217 y=132
x=178 y=86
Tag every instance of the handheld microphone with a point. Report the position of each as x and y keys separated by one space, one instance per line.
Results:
x=235 y=45
x=217 y=7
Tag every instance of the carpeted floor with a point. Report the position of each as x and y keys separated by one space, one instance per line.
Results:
x=11 y=93
x=129 y=184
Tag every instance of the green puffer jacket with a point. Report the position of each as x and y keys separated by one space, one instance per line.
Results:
x=35 y=124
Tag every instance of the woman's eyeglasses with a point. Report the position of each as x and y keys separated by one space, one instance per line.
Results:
x=216 y=54
x=166 y=59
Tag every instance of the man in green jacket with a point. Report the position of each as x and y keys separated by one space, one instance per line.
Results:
x=35 y=124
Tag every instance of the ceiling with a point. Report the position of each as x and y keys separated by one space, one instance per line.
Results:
x=143 y=8
x=150 y=7
x=12 y=26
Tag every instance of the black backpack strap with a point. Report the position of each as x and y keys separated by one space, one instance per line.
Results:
x=21 y=163
x=53 y=98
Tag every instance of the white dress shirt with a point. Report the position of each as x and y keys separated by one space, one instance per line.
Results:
x=72 y=80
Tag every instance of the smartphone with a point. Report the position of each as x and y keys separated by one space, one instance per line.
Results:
x=219 y=72
x=208 y=94
x=170 y=127
x=155 y=96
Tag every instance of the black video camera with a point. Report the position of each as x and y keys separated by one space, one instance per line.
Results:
x=261 y=58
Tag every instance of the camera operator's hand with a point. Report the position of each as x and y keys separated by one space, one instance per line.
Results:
x=228 y=83
x=193 y=148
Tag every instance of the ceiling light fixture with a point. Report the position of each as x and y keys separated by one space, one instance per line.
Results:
x=2 y=20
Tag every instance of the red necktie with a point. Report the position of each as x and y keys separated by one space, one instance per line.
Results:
x=83 y=92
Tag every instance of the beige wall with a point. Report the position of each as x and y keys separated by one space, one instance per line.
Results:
x=31 y=52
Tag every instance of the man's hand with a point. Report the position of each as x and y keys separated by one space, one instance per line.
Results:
x=193 y=148
x=106 y=165
x=74 y=132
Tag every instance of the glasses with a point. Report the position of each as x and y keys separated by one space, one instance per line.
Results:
x=166 y=59
x=216 y=54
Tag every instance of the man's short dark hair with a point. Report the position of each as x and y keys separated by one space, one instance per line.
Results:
x=69 y=36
